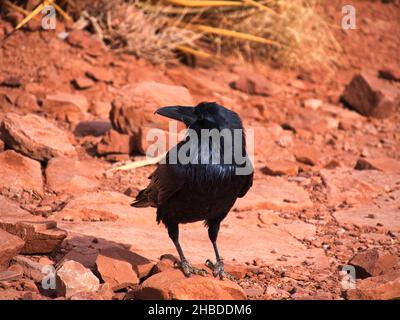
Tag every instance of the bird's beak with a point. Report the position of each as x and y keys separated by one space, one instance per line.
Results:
x=180 y=113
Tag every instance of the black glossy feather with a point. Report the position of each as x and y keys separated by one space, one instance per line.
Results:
x=185 y=193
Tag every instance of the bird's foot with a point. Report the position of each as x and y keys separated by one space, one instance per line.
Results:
x=188 y=269
x=218 y=269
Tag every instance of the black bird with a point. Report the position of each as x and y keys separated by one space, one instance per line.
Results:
x=205 y=191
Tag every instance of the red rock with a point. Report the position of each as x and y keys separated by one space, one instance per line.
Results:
x=381 y=164
x=35 y=137
x=254 y=292
x=13 y=173
x=60 y=99
x=313 y=121
x=116 y=272
x=313 y=104
x=66 y=107
x=83 y=83
x=317 y=296
x=306 y=154
x=9 y=98
x=387 y=217
x=30 y=268
x=27 y=101
x=63 y=111
x=101 y=109
x=94 y=128
x=40 y=235
x=255 y=110
x=83 y=39
x=275 y=194
x=65 y=175
x=372 y=263
x=173 y=285
x=332 y=164
x=84 y=253
x=360 y=185
x=280 y=168
x=237 y=270
x=348 y=119
x=167 y=261
x=197 y=81
x=85 y=250
x=254 y=83
x=285 y=140
x=43 y=211
x=141 y=265
x=34 y=25
x=134 y=107
x=385 y=287
x=45 y=261
x=97 y=206
x=103 y=293
x=2 y=145
x=13 y=273
x=37 y=89
x=371 y=96
x=100 y=74
x=10 y=246
x=11 y=294
x=72 y=278
x=264 y=144
x=115 y=142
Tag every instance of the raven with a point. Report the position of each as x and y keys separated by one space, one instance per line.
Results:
x=203 y=188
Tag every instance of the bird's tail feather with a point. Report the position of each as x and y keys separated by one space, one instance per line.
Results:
x=141 y=200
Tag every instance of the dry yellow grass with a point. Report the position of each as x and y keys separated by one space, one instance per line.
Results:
x=298 y=36
x=31 y=15
x=289 y=33
x=151 y=35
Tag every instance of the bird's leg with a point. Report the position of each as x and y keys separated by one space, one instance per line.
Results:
x=173 y=232
x=218 y=267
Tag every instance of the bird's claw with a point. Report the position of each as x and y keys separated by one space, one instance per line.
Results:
x=188 y=269
x=218 y=269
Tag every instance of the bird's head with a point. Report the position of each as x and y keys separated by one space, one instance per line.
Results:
x=206 y=115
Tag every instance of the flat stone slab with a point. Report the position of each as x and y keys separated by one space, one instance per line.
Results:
x=172 y=284
x=239 y=238
x=66 y=175
x=388 y=217
x=35 y=137
x=357 y=186
x=10 y=246
x=19 y=173
x=98 y=206
x=274 y=193
x=40 y=235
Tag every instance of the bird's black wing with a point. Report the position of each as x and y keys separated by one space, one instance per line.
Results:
x=247 y=185
x=165 y=182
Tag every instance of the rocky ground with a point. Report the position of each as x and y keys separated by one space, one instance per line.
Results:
x=327 y=178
